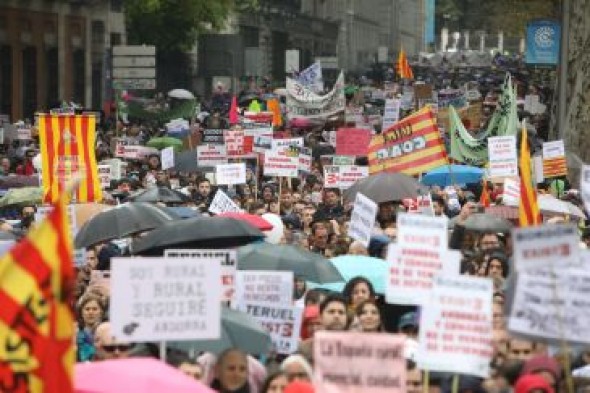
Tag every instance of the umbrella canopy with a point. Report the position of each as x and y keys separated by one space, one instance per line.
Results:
x=350 y=266
x=18 y=181
x=238 y=330
x=183 y=211
x=200 y=232
x=252 y=219
x=85 y=211
x=484 y=222
x=305 y=264
x=551 y=205
x=164 y=142
x=385 y=187
x=133 y=375
x=160 y=194
x=181 y=94
x=122 y=221
x=447 y=175
x=25 y=195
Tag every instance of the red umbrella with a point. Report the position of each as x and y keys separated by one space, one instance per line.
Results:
x=252 y=219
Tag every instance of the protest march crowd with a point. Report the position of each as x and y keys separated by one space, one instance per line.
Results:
x=409 y=237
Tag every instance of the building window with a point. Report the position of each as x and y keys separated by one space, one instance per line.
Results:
x=251 y=36
x=116 y=5
x=6 y=79
x=79 y=76
x=98 y=32
x=115 y=39
x=52 y=77
x=29 y=81
x=97 y=85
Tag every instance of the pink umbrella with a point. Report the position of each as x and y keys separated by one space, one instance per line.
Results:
x=133 y=375
x=233 y=111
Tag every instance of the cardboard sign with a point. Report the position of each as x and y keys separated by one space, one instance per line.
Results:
x=420 y=255
x=343 y=176
x=221 y=203
x=276 y=164
x=211 y=155
x=227 y=260
x=104 y=174
x=456 y=327
x=282 y=321
x=391 y=113
x=546 y=246
x=585 y=186
x=161 y=299
x=230 y=174
x=352 y=362
x=167 y=158
x=264 y=287
x=362 y=220
x=234 y=142
x=552 y=304
x=352 y=141
x=502 y=153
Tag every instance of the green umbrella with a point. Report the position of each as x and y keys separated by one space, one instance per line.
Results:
x=25 y=195
x=164 y=142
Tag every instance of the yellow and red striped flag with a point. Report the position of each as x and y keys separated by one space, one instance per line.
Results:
x=36 y=321
x=68 y=153
x=528 y=208
x=403 y=66
x=554 y=167
x=411 y=146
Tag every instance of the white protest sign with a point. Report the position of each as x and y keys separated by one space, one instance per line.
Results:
x=456 y=326
x=23 y=134
x=511 y=192
x=390 y=113
x=282 y=321
x=305 y=159
x=161 y=299
x=261 y=143
x=362 y=219
x=343 y=176
x=221 y=203
x=420 y=254
x=227 y=261
x=544 y=246
x=230 y=174
x=277 y=164
x=502 y=153
x=167 y=158
x=352 y=362
x=585 y=186
x=211 y=155
x=282 y=144
x=553 y=149
x=264 y=287
x=552 y=304
x=104 y=175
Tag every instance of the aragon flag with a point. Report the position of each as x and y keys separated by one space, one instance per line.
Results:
x=68 y=153
x=36 y=321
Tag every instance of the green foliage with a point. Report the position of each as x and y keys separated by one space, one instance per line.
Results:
x=173 y=25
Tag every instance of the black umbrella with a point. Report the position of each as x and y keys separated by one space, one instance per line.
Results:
x=385 y=187
x=122 y=221
x=160 y=194
x=310 y=266
x=18 y=181
x=199 y=232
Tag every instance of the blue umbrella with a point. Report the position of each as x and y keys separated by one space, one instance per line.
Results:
x=447 y=175
x=349 y=266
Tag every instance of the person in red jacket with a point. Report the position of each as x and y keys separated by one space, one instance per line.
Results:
x=27 y=168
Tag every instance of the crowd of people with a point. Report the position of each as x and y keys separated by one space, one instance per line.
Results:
x=317 y=219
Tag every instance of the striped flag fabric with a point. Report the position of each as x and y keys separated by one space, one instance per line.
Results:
x=554 y=167
x=403 y=66
x=68 y=153
x=36 y=321
x=411 y=146
x=528 y=208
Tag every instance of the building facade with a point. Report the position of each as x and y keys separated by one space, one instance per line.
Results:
x=52 y=51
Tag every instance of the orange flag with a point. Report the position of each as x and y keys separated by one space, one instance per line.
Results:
x=484 y=199
x=36 y=321
x=403 y=66
x=274 y=107
x=67 y=154
x=528 y=208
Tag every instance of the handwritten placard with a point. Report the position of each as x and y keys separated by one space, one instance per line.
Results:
x=230 y=174
x=264 y=287
x=352 y=362
x=221 y=203
x=160 y=299
x=362 y=220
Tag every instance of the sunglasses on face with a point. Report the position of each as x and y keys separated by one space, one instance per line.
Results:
x=120 y=348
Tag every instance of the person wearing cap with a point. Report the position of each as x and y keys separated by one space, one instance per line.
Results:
x=545 y=367
x=408 y=325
